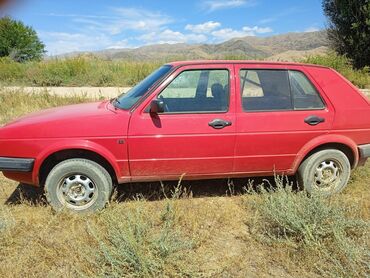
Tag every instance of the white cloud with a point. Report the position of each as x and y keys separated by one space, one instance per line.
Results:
x=61 y=42
x=119 y=44
x=229 y=33
x=213 y=5
x=312 y=29
x=124 y=19
x=203 y=28
x=171 y=37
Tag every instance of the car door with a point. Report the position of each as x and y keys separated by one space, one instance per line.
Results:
x=195 y=135
x=279 y=110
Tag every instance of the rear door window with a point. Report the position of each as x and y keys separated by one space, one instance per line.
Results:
x=278 y=90
x=265 y=90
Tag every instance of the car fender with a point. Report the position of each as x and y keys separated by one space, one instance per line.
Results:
x=69 y=144
x=323 y=140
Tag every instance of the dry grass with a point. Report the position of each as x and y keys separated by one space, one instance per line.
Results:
x=148 y=231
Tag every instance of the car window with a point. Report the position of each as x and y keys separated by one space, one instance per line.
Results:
x=197 y=91
x=127 y=100
x=304 y=94
x=265 y=90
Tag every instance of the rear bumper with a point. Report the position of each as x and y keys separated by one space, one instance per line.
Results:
x=16 y=164
x=364 y=151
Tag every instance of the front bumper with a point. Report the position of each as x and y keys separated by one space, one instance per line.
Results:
x=16 y=164
x=364 y=151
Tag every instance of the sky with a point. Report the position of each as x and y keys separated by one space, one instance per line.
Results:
x=83 y=25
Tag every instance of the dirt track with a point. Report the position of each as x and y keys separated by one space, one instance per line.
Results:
x=95 y=92
x=104 y=92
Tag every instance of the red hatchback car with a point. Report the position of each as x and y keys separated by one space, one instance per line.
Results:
x=201 y=119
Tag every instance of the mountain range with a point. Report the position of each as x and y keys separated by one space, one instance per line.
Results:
x=290 y=46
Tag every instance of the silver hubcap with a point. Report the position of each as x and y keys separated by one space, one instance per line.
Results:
x=328 y=174
x=78 y=191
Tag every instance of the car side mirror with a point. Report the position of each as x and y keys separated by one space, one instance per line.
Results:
x=156 y=106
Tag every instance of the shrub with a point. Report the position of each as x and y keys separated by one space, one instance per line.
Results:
x=343 y=65
x=315 y=227
x=10 y=71
x=140 y=244
x=6 y=220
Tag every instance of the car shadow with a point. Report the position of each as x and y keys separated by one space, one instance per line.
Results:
x=24 y=193
x=155 y=191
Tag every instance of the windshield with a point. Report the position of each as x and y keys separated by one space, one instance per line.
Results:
x=126 y=101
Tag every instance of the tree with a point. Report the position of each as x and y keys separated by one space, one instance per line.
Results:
x=349 y=29
x=19 y=42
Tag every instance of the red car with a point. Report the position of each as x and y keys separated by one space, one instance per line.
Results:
x=201 y=119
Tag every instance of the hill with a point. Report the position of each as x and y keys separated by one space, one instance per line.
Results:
x=246 y=48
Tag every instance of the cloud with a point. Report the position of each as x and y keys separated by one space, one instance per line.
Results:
x=229 y=33
x=257 y=30
x=203 y=28
x=124 y=19
x=119 y=44
x=171 y=37
x=62 y=42
x=278 y=15
x=213 y=5
x=132 y=27
x=311 y=29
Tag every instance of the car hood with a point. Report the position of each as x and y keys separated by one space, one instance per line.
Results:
x=80 y=120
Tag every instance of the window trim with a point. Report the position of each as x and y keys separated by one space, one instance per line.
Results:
x=146 y=110
x=290 y=93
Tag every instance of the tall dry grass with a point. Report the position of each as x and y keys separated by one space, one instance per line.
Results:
x=79 y=71
x=93 y=71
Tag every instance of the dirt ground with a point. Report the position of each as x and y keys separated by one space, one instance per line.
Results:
x=93 y=92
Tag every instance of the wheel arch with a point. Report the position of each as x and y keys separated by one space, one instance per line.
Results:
x=88 y=150
x=341 y=143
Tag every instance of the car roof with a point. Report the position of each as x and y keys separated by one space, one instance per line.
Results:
x=210 y=62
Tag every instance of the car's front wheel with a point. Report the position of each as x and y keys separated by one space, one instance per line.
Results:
x=326 y=172
x=79 y=185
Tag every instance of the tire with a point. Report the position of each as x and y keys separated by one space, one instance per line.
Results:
x=78 y=185
x=325 y=173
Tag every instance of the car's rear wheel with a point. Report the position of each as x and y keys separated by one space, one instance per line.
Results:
x=79 y=185
x=325 y=172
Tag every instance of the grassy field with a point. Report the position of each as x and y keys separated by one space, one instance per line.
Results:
x=90 y=71
x=214 y=228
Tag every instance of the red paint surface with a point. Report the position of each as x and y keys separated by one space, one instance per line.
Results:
x=167 y=146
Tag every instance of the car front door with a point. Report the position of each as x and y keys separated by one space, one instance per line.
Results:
x=279 y=110
x=194 y=135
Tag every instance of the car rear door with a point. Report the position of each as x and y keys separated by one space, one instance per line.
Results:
x=195 y=136
x=279 y=110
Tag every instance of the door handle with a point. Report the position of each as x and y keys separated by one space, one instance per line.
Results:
x=219 y=124
x=314 y=120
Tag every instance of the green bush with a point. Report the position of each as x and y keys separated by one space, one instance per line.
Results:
x=11 y=71
x=315 y=227
x=343 y=65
